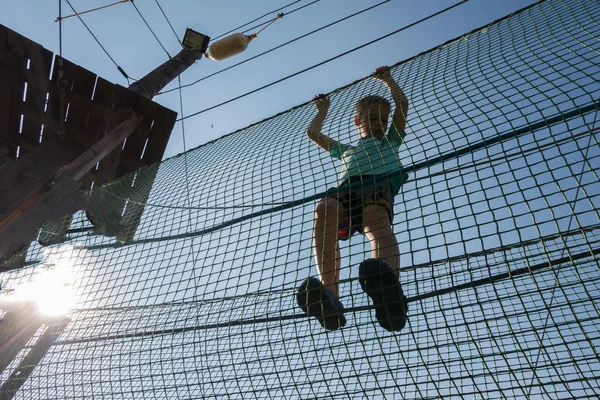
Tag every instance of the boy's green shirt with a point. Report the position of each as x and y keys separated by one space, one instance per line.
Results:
x=372 y=156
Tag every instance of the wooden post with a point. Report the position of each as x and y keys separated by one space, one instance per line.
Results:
x=88 y=160
x=160 y=77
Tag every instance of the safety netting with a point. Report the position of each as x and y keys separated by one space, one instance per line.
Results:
x=189 y=292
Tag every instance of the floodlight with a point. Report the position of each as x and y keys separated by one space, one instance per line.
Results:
x=195 y=40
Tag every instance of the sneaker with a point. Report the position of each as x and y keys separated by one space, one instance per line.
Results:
x=318 y=301
x=380 y=282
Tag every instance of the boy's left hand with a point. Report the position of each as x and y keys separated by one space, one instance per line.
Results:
x=382 y=74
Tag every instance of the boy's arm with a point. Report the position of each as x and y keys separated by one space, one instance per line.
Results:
x=314 y=133
x=383 y=74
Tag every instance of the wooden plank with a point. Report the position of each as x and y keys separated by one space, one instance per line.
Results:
x=5 y=104
x=35 y=99
x=75 y=123
x=30 y=131
x=78 y=102
x=164 y=120
x=23 y=192
x=12 y=175
x=50 y=132
x=19 y=43
x=47 y=157
x=82 y=82
x=8 y=172
x=107 y=168
x=37 y=77
x=24 y=53
x=97 y=125
x=3 y=39
x=136 y=141
x=50 y=203
x=27 y=147
x=160 y=134
x=12 y=67
x=42 y=118
x=93 y=129
x=53 y=110
x=74 y=98
x=87 y=180
x=124 y=102
x=41 y=61
x=129 y=165
x=105 y=92
x=86 y=161
x=88 y=120
x=78 y=79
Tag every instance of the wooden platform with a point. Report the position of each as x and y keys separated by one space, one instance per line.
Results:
x=51 y=112
x=34 y=116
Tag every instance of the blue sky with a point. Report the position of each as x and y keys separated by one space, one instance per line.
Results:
x=131 y=44
x=478 y=341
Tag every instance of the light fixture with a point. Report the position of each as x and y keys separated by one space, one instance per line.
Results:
x=195 y=40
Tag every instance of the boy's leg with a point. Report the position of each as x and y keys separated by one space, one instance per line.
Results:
x=319 y=297
x=328 y=216
x=378 y=229
x=379 y=276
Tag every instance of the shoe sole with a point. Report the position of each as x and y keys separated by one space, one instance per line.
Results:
x=381 y=284
x=310 y=302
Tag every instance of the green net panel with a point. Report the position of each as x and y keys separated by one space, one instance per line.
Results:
x=498 y=228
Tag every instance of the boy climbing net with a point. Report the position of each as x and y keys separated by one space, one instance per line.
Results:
x=362 y=202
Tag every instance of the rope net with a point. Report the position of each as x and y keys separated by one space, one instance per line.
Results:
x=189 y=292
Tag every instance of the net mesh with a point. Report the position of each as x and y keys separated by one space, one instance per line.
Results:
x=497 y=228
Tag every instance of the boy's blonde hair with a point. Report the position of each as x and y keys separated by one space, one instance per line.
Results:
x=367 y=101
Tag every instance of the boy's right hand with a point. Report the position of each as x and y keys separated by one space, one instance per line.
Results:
x=382 y=74
x=322 y=103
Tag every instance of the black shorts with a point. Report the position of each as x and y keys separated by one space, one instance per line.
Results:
x=357 y=199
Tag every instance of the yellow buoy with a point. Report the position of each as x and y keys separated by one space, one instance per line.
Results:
x=229 y=46
x=233 y=44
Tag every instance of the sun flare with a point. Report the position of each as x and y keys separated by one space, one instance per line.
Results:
x=51 y=289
